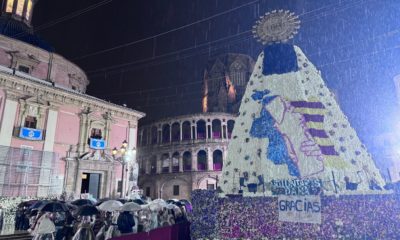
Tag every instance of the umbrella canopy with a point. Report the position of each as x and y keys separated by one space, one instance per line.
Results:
x=54 y=207
x=110 y=205
x=27 y=203
x=130 y=206
x=87 y=210
x=139 y=201
x=81 y=202
x=101 y=201
x=38 y=204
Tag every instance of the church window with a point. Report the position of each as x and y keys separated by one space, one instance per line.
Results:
x=28 y=10
x=95 y=133
x=30 y=122
x=20 y=7
x=23 y=68
x=10 y=4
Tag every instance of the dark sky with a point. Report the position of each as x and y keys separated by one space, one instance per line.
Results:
x=355 y=44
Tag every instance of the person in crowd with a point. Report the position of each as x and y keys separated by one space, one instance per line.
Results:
x=44 y=228
x=85 y=231
x=125 y=222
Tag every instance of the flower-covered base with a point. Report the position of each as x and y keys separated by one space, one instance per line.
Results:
x=342 y=217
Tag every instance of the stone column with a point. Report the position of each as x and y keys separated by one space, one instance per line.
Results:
x=170 y=162
x=159 y=164
x=180 y=131
x=180 y=163
x=170 y=133
x=159 y=135
x=7 y=125
x=83 y=132
x=210 y=165
x=224 y=133
x=207 y=131
x=48 y=159
x=194 y=161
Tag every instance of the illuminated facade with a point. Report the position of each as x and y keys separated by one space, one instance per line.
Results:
x=225 y=79
x=180 y=154
x=53 y=136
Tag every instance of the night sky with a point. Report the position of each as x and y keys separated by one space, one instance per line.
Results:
x=355 y=44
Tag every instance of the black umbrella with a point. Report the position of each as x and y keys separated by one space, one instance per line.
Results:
x=87 y=210
x=139 y=201
x=39 y=204
x=27 y=203
x=54 y=207
x=81 y=202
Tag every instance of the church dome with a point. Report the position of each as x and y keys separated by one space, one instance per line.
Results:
x=15 y=22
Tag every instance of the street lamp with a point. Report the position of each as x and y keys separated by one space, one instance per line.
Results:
x=123 y=160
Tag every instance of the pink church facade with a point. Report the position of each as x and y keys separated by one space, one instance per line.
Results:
x=53 y=137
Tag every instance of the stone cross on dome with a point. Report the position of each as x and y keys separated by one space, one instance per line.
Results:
x=20 y=10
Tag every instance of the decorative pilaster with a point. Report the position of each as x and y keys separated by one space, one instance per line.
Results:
x=8 y=122
x=194 y=161
x=210 y=163
x=180 y=163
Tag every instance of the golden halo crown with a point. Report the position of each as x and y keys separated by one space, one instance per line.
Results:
x=276 y=27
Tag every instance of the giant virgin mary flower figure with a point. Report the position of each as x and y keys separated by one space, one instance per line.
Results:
x=290 y=126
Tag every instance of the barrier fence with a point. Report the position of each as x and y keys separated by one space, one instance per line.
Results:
x=29 y=173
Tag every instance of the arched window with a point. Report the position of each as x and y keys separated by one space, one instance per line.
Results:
x=186 y=130
x=10 y=5
x=165 y=162
x=176 y=132
x=201 y=129
x=230 y=124
x=187 y=161
x=166 y=131
x=175 y=162
x=20 y=7
x=217 y=160
x=202 y=160
x=153 y=165
x=144 y=137
x=216 y=129
x=153 y=135
x=28 y=10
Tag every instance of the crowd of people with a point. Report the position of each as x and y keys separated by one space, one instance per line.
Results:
x=85 y=219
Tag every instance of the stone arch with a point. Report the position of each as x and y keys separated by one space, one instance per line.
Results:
x=167 y=188
x=176 y=132
x=207 y=182
x=216 y=129
x=153 y=135
x=202 y=160
x=230 y=126
x=187 y=161
x=175 y=162
x=166 y=132
x=201 y=129
x=186 y=135
x=217 y=160
x=153 y=165
x=165 y=162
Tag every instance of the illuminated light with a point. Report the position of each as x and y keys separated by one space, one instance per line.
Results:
x=231 y=90
x=28 y=10
x=84 y=176
x=114 y=151
x=10 y=4
x=124 y=144
x=123 y=150
x=20 y=7
x=204 y=104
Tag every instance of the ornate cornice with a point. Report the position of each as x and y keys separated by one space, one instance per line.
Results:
x=18 y=87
